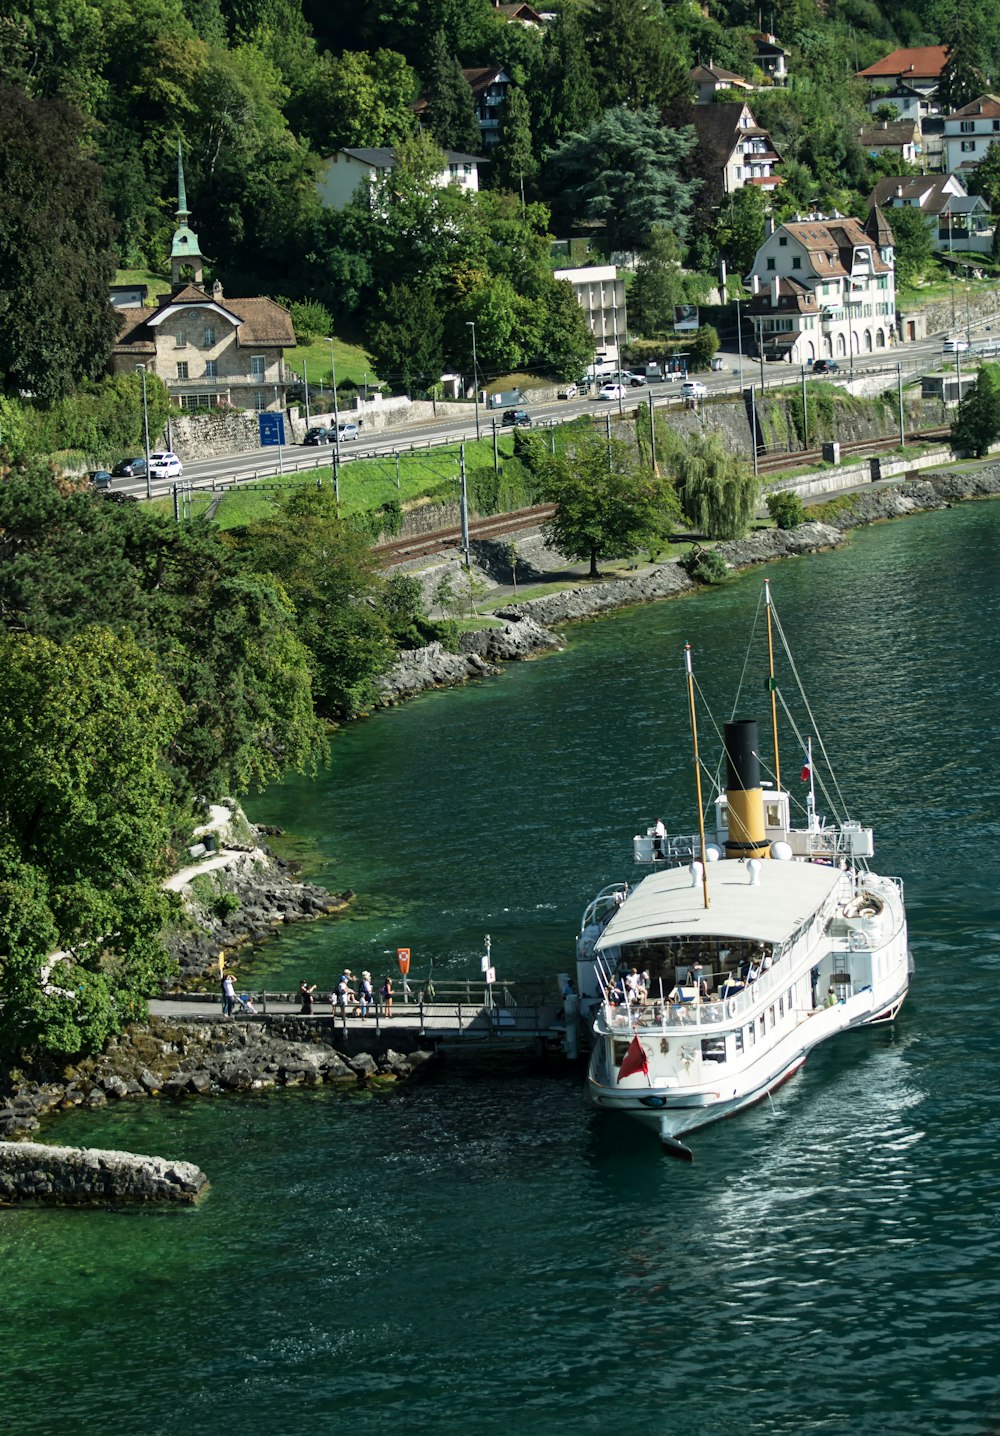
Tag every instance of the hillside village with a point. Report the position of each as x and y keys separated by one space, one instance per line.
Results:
x=220 y=215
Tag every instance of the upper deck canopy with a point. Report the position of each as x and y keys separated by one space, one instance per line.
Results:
x=666 y=905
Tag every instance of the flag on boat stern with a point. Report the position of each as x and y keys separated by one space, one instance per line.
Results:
x=633 y=1061
x=806 y=773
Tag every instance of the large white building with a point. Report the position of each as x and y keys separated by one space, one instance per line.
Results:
x=824 y=288
x=344 y=172
x=601 y=295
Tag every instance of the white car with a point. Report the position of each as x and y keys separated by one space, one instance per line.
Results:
x=693 y=389
x=164 y=466
x=347 y=429
x=568 y=391
x=955 y=346
x=611 y=391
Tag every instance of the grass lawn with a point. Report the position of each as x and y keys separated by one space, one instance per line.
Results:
x=158 y=283
x=351 y=360
x=365 y=483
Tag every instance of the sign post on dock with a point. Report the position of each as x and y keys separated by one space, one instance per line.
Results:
x=489 y=971
x=403 y=958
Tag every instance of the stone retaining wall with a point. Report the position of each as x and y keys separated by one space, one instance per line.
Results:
x=34 y=1174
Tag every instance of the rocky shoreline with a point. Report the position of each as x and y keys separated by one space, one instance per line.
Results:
x=527 y=625
x=38 y=1175
x=199 y=1059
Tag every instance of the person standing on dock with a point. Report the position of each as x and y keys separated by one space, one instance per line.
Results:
x=228 y=995
x=306 y=994
x=366 y=994
x=385 y=992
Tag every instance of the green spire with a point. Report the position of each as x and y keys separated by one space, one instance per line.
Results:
x=182 y=209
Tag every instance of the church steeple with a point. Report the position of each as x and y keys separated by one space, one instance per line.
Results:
x=185 y=252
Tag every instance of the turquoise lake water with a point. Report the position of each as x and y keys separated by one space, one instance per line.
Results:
x=473 y=1256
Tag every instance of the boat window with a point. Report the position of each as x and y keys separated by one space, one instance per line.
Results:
x=770 y=1015
x=713 y=1049
x=760 y=1024
x=781 y=1007
x=751 y=1035
x=738 y=1036
x=619 y=1054
x=772 y=815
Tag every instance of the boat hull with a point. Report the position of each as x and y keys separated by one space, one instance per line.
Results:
x=673 y=1111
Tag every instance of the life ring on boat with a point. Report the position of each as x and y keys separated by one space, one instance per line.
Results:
x=731 y=1007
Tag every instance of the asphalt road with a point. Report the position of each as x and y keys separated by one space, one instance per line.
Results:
x=918 y=357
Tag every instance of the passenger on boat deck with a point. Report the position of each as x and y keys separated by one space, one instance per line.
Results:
x=632 y=985
x=659 y=833
x=615 y=993
x=696 y=978
x=766 y=962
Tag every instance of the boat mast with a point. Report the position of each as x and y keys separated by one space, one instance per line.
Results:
x=772 y=685
x=697 y=771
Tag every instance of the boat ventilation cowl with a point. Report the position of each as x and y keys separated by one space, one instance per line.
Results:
x=753 y=872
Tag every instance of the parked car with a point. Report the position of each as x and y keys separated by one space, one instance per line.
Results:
x=100 y=479
x=130 y=469
x=568 y=391
x=611 y=391
x=318 y=434
x=693 y=389
x=826 y=366
x=347 y=429
x=634 y=379
x=520 y=418
x=955 y=346
x=164 y=466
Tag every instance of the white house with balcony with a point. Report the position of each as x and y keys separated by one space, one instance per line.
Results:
x=958 y=222
x=733 y=151
x=823 y=287
x=969 y=132
x=343 y=173
x=601 y=295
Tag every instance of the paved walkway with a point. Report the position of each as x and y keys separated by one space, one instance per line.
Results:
x=437 y=1018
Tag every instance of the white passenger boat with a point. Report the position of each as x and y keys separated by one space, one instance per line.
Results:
x=709 y=981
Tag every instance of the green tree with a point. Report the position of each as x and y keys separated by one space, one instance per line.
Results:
x=965 y=28
x=358 y=98
x=985 y=179
x=566 y=100
x=56 y=324
x=85 y=728
x=452 y=110
x=740 y=230
x=405 y=337
x=223 y=637
x=977 y=423
x=607 y=508
x=660 y=284
x=513 y=159
x=330 y=575
x=637 y=59
x=913 y=242
x=718 y=492
x=626 y=172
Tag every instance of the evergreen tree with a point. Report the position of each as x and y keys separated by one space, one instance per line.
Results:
x=626 y=171
x=659 y=284
x=913 y=243
x=977 y=424
x=568 y=102
x=452 y=113
x=57 y=256
x=406 y=336
x=513 y=161
x=966 y=31
x=740 y=230
x=638 y=60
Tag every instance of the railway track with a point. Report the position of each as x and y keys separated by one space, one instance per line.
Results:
x=499 y=526
x=495 y=527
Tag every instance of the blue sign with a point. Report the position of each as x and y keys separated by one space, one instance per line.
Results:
x=272 y=430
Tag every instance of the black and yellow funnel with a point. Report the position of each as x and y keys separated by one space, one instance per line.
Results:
x=743 y=792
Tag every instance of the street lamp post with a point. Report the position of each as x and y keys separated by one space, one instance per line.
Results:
x=141 y=369
x=336 y=426
x=739 y=339
x=471 y=324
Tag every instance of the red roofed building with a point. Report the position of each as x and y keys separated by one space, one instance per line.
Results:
x=920 y=68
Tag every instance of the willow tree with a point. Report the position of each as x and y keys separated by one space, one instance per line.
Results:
x=718 y=492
